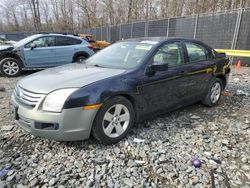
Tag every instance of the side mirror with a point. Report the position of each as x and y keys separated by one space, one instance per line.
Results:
x=32 y=46
x=159 y=66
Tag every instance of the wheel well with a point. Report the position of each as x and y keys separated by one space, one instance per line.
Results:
x=131 y=99
x=133 y=102
x=223 y=80
x=11 y=55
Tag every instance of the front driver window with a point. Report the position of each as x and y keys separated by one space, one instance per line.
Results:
x=42 y=42
x=171 y=54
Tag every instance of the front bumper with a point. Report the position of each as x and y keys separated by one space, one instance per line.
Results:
x=70 y=125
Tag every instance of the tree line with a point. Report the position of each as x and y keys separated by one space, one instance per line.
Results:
x=67 y=15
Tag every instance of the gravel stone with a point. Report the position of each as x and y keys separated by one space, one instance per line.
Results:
x=244 y=159
x=128 y=182
x=245 y=167
x=21 y=186
x=7 y=128
x=194 y=180
x=11 y=178
x=2 y=184
x=53 y=181
x=10 y=172
x=34 y=182
x=195 y=117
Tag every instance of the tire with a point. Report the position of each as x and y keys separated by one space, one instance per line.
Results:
x=108 y=128
x=214 y=93
x=10 y=67
x=80 y=59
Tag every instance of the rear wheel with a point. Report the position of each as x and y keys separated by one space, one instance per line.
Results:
x=10 y=67
x=80 y=59
x=113 y=121
x=214 y=94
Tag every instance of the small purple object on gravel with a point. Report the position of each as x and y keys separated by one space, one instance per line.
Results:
x=4 y=172
x=196 y=163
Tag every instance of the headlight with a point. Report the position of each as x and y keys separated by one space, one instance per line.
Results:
x=54 y=101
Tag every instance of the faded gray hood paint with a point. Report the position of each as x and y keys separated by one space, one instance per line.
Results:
x=5 y=47
x=72 y=75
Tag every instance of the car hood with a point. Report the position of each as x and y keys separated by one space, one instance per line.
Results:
x=6 y=48
x=67 y=76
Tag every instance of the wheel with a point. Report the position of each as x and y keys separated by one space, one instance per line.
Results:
x=79 y=59
x=113 y=121
x=214 y=94
x=10 y=67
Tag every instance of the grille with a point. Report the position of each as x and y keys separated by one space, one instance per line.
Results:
x=27 y=97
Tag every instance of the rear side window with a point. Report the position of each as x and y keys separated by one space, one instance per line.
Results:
x=67 y=41
x=196 y=52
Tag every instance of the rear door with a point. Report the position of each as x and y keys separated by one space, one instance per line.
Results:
x=199 y=68
x=44 y=53
x=66 y=48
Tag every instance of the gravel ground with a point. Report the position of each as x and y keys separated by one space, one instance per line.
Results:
x=157 y=153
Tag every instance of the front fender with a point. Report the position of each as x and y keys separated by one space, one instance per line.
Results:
x=17 y=54
x=99 y=92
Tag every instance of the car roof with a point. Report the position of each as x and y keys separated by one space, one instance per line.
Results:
x=160 y=39
x=58 y=34
x=165 y=39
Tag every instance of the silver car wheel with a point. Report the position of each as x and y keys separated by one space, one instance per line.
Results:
x=10 y=68
x=116 y=120
x=215 y=92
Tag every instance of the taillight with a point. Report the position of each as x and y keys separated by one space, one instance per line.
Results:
x=90 y=47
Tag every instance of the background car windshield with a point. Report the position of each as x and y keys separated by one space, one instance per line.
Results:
x=123 y=55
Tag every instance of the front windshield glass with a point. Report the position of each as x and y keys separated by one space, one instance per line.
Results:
x=122 y=55
x=25 y=41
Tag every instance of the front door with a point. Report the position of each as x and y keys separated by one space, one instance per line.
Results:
x=161 y=90
x=40 y=52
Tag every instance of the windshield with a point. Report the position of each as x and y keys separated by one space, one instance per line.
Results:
x=122 y=55
x=25 y=41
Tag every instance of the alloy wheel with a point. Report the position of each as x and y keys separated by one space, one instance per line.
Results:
x=215 y=92
x=116 y=120
x=10 y=68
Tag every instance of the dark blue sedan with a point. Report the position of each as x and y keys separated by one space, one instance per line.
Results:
x=126 y=82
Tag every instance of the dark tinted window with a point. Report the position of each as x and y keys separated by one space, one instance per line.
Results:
x=42 y=42
x=66 y=41
x=196 y=52
x=171 y=54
